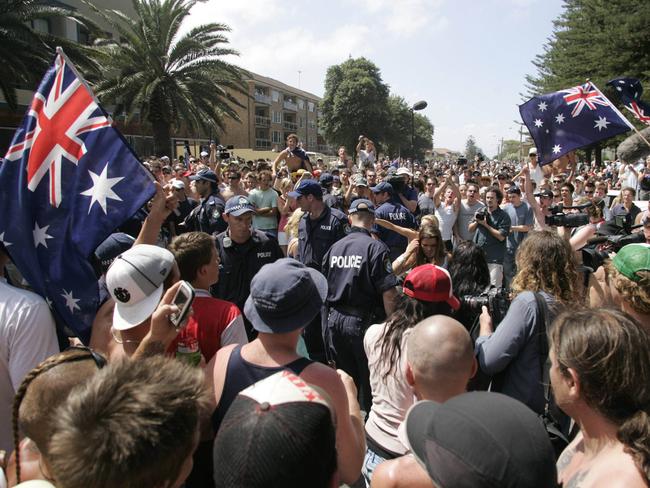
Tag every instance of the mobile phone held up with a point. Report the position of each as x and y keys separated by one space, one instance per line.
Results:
x=183 y=300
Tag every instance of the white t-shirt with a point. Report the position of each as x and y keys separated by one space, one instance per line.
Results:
x=536 y=174
x=366 y=159
x=447 y=217
x=27 y=337
x=390 y=399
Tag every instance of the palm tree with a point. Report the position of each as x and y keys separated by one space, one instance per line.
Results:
x=26 y=53
x=172 y=80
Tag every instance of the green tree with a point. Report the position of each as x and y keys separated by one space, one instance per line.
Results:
x=170 y=79
x=397 y=139
x=595 y=39
x=471 y=149
x=509 y=150
x=355 y=103
x=26 y=53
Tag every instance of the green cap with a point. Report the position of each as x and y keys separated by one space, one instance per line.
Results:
x=631 y=259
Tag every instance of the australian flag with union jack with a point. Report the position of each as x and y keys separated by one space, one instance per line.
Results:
x=562 y=121
x=630 y=91
x=67 y=181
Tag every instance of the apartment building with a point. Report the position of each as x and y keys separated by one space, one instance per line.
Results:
x=271 y=111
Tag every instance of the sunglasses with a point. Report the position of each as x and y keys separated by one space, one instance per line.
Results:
x=99 y=360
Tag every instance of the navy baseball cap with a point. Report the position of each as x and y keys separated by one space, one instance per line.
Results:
x=382 y=187
x=112 y=247
x=205 y=174
x=238 y=205
x=361 y=205
x=481 y=439
x=326 y=179
x=285 y=296
x=307 y=187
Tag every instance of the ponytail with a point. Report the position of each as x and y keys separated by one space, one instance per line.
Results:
x=634 y=433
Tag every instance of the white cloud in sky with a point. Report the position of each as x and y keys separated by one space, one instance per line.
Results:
x=275 y=41
x=405 y=17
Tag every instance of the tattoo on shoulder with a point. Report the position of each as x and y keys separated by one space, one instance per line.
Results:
x=577 y=479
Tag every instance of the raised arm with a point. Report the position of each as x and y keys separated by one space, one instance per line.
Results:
x=410 y=234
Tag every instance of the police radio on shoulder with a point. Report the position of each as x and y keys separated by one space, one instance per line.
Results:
x=183 y=300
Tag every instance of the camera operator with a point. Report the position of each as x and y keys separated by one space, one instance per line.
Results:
x=511 y=353
x=492 y=226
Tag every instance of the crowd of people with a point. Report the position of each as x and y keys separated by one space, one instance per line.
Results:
x=364 y=321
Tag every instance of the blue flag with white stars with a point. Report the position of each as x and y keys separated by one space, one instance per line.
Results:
x=569 y=119
x=630 y=91
x=67 y=181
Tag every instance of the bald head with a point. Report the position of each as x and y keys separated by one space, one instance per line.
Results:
x=441 y=358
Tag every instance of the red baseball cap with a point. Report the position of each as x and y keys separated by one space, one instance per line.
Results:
x=430 y=283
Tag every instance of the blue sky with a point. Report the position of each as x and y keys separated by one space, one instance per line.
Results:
x=467 y=59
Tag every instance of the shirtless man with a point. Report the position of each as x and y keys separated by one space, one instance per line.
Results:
x=435 y=373
x=295 y=157
x=600 y=380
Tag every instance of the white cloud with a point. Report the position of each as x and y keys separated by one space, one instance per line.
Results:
x=273 y=42
x=406 y=17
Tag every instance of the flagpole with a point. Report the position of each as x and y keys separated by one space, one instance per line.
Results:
x=620 y=114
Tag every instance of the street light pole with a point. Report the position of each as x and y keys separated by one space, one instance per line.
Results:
x=421 y=105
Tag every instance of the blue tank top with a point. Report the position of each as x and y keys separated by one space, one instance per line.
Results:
x=240 y=374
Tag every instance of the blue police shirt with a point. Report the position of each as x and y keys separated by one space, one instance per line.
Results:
x=398 y=214
x=207 y=216
x=240 y=262
x=358 y=271
x=316 y=236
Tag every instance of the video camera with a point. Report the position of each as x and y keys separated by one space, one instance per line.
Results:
x=559 y=219
x=223 y=151
x=398 y=184
x=481 y=214
x=599 y=247
x=497 y=301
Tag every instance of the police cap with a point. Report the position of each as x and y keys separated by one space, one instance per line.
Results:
x=307 y=187
x=361 y=205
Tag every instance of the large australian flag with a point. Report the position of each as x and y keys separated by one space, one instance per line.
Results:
x=629 y=91
x=562 y=121
x=67 y=181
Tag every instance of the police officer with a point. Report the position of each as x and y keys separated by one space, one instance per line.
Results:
x=319 y=228
x=361 y=291
x=395 y=212
x=242 y=252
x=208 y=215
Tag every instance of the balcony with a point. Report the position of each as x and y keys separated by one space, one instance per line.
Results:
x=290 y=125
x=262 y=121
x=289 y=105
x=262 y=144
x=262 y=98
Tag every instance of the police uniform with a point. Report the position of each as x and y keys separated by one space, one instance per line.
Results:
x=207 y=216
x=398 y=214
x=240 y=262
x=316 y=236
x=358 y=271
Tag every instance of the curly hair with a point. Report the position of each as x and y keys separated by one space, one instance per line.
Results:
x=545 y=262
x=635 y=293
x=610 y=353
